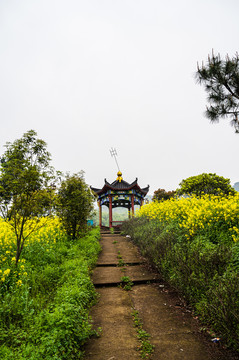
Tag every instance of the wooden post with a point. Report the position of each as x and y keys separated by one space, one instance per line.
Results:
x=132 y=204
x=100 y=214
x=110 y=211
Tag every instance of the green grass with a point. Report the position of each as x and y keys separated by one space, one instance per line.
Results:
x=204 y=270
x=126 y=283
x=145 y=348
x=48 y=316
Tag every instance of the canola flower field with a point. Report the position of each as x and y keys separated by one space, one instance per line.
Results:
x=194 y=214
x=49 y=230
x=194 y=244
x=45 y=299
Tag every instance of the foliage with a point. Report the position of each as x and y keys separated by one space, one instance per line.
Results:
x=126 y=283
x=74 y=204
x=38 y=243
x=146 y=348
x=44 y=309
x=221 y=81
x=214 y=216
x=162 y=194
x=205 y=184
x=25 y=192
x=112 y=231
x=194 y=243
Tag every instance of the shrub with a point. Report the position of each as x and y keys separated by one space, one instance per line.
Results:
x=47 y=316
x=194 y=245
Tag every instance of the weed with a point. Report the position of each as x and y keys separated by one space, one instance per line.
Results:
x=123 y=269
x=47 y=315
x=194 y=243
x=145 y=348
x=121 y=262
x=119 y=256
x=126 y=283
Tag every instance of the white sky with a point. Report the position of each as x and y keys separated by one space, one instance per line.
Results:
x=94 y=74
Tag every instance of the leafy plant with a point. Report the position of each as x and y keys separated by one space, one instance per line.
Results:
x=25 y=190
x=145 y=348
x=74 y=204
x=121 y=262
x=48 y=315
x=221 y=81
x=162 y=194
x=126 y=283
x=193 y=242
x=119 y=256
x=205 y=184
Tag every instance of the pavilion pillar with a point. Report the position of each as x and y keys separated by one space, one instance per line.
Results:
x=100 y=214
x=132 y=205
x=110 y=211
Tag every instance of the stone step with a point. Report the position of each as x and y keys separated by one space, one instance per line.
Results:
x=105 y=264
x=111 y=275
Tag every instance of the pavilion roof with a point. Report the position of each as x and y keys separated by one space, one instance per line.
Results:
x=121 y=185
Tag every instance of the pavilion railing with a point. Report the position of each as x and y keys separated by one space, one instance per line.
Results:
x=117 y=223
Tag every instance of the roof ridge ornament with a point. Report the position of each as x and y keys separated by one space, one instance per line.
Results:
x=119 y=178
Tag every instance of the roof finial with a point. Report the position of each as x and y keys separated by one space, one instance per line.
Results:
x=119 y=178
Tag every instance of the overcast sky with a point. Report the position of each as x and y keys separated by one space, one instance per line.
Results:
x=94 y=74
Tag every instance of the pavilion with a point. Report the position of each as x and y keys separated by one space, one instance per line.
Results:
x=119 y=194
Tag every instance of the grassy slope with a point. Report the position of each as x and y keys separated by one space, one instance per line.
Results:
x=47 y=317
x=204 y=272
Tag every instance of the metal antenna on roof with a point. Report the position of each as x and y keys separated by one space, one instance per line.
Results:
x=113 y=153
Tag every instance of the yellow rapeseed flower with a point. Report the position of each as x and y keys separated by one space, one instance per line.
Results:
x=7 y=272
x=194 y=213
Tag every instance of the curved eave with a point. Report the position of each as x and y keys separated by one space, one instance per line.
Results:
x=145 y=190
x=95 y=190
x=132 y=186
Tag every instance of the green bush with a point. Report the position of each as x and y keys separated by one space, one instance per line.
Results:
x=204 y=270
x=48 y=316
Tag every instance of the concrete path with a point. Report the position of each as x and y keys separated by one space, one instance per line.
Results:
x=173 y=331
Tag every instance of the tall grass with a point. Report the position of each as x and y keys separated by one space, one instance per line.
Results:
x=194 y=244
x=44 y=305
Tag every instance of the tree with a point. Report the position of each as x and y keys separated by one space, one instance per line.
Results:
x=25 y=193
x=161 y=194
x=74 y=204
x=205 y=184
x=221 y=81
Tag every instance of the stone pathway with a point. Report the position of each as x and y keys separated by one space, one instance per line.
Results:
x=174 y=332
